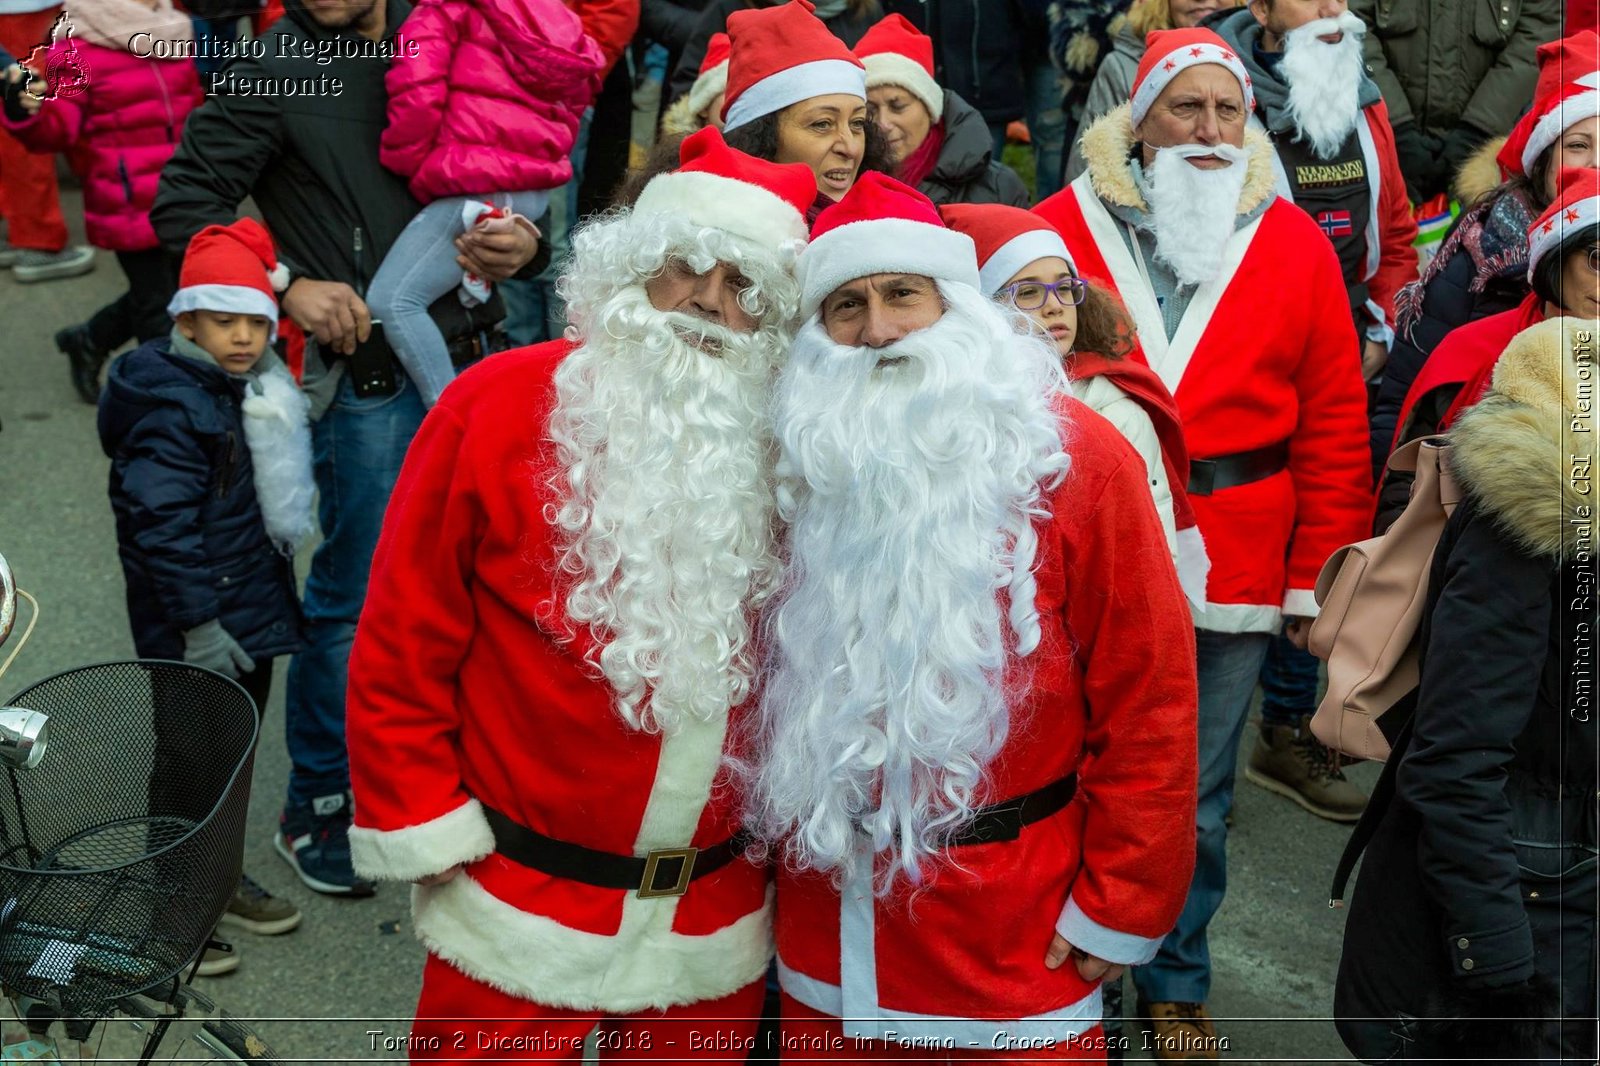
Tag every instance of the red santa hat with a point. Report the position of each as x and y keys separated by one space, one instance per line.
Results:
x=1168 y=53
x=1576 y=206
x=882 y=227
x=782 y=55
x=713 y=77
x=723 y=188
x=231 y=269
x=1568 y=92
x=1007 y=238
x=895 y=52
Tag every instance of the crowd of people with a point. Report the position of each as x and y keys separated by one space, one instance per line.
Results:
x=808 y=492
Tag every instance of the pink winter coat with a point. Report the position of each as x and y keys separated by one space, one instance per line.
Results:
x=117 y=133
x=486 y=95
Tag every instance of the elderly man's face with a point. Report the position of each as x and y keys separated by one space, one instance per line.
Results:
x=713 y=296
x=1202 y=105
x=880 y=309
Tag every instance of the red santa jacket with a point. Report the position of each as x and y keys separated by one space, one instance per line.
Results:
x=1110 y=694
x=1264 y=354
x=463 y=692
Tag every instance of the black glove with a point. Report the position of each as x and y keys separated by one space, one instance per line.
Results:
x=12 y=81
x=1492 y=1024
x=1416 y=160
x=1458 y=144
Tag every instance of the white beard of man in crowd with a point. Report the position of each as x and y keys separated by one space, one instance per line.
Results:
x=666 y=456
x=1324 y=79
x=911 y=477
x=1192 y=211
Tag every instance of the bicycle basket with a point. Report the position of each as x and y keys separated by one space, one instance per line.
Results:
x=119 y=852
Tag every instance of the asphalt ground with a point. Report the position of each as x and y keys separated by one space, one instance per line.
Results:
x=347 y=979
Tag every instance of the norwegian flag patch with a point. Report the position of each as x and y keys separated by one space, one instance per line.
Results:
x=1335 y=223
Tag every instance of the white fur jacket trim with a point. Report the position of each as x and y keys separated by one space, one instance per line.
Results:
x=277 y=430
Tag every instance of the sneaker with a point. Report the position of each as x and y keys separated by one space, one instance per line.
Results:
x=1181 y=1032
x=1292 y=762
x=86 y=360
x=315 y=840
x=255 y=910
x=32 y=265
x=216 y=962
x=9 y=254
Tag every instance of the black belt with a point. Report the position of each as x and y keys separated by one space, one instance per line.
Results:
x=1241 y=468
x=1004 y=821
x=661 y=873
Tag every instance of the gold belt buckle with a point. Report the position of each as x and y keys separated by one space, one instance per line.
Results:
x=647 y=887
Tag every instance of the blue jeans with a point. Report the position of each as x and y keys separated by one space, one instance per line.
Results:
x=420 y=268
x=534 y=311
x=1288 y=683
x=1047 y=127
x=1228 y=665
x=357 y=448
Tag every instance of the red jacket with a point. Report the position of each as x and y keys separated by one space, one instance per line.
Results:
x=1391 y=228
x=611 y=23
x=117 y=133
x=1110 y=693
x=486 y=95
x=1464 y=362
x=461 y=693
x=1265 y=354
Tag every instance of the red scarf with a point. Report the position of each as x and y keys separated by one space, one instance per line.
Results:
x=919 y=164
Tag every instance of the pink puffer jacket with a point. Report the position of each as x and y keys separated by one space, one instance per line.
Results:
x=117 y=133
x=486 y=95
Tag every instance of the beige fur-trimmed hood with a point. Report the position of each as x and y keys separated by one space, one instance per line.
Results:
x=1480 y=173
x=1527 y=449
x=1107 y=144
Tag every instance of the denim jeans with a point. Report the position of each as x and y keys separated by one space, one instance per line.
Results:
x=1228 y=665
x=357 y=449
x=421 y=267
x=1288 y=683
x=1047 y=127
x=534 y=311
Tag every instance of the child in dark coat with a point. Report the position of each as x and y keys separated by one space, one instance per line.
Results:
x=212 y=490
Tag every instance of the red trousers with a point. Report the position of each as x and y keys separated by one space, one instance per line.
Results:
x=808 y=1036
x=29 y=200
x=460 y=1019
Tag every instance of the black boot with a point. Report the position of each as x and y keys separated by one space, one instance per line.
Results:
x=79 y=348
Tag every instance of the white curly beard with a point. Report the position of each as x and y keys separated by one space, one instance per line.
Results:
x=665 y=503
x=911 y=490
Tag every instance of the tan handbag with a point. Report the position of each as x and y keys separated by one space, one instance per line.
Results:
x=1372 y=595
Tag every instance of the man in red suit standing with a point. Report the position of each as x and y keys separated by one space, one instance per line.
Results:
x=557 y=642
x=1242 y=310
x=976 y=749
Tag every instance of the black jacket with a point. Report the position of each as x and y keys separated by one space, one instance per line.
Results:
x=964 y=173
x=1481 y=269
x=713 y=18
x=979 y=49
x=670 y=23
x=189 y=530
x=1493 y=820
x=309 y=161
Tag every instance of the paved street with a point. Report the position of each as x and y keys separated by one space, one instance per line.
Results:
x=353 y=967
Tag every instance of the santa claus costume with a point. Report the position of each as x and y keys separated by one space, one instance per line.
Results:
x=1241 y=310
x=978 y=725
x=557 y=638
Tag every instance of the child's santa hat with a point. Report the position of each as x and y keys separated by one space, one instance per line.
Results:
x=895 y=52
x=231 y=269
x=713 y=77
x=1568 y=91
x=1576 y=207
x=723 y=188
x=1168 y=53
x=1007 y=238
x=882 y=226
x=781 y=56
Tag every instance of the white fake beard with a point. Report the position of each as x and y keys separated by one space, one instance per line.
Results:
x=911 y=491
x=1324 y=80
x=1193 y=211
x=665 y=500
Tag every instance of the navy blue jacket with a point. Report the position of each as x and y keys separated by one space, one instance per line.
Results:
x=189 y=531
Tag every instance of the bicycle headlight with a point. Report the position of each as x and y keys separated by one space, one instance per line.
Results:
x=24 y=735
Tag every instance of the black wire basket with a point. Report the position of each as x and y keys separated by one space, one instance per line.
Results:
x=121 y=848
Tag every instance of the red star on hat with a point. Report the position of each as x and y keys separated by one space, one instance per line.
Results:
x=1227 y=55
x=1548 y=226
x=1168 y=65
x=1571 y=215
x=1575 y=211
x=1195 y=51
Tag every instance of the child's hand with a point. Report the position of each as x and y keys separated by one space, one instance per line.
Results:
x=24 y=89
x=497 y=248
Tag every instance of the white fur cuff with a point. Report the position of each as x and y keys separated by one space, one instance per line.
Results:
x=1301 y=602
x=453 y=839
x=1086 y=934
